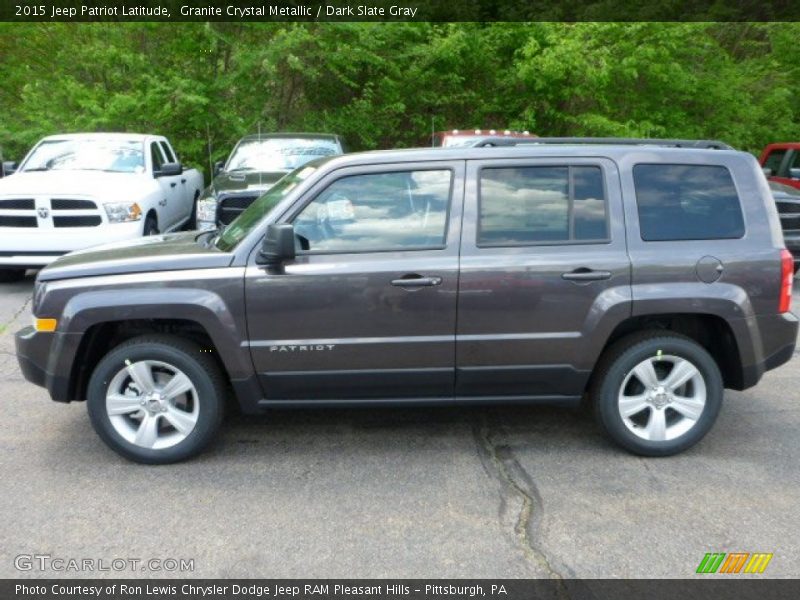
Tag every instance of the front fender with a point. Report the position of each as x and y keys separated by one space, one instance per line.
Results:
x=203 y=307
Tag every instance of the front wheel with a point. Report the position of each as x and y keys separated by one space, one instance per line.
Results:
x=657 y=394
x=156 y=399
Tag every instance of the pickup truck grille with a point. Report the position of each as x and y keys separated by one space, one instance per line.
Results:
x=788 y=208
x=18 y=204
x=232 y=206
x=46 y=213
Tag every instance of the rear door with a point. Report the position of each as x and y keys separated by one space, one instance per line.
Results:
x=545 y=275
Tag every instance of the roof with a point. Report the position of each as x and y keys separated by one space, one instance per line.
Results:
x=613 y=151
x=267 y=136
x=137 y=137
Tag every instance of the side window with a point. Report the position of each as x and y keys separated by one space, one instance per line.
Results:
x=687 y=202
x=774 y=160
x=168 y=152
x=795 y=161
x=382 y=211
x=155 y=154
x=536 y=205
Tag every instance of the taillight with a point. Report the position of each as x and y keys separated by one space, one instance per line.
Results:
x=787 y=274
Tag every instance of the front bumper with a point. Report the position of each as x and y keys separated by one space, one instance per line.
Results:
x=45 y=359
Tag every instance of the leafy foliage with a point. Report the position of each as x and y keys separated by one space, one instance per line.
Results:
x=384 y=85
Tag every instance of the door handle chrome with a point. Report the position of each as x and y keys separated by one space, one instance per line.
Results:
x=416 y=281
x=586 y=275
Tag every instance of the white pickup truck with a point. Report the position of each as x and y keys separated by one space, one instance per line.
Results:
x=80 y=190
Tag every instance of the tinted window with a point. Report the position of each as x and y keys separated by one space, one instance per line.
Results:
x=382 y=211
x=530 y=205
x=774 y=160
x=168 y=152
x=155 y=154
x=687 y=202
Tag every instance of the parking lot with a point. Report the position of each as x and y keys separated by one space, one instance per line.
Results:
x=445 y=492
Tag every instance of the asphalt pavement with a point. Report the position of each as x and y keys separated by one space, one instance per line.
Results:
x=445 y=492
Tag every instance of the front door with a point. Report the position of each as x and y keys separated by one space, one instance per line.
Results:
x=367 y=310
x=544 y=275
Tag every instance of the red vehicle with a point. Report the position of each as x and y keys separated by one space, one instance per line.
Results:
x=781 y=163
x=464 y=137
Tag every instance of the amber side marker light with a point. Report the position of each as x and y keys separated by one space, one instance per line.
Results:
x=45 y=325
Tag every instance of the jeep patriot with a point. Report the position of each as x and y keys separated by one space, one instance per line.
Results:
x=645 y=276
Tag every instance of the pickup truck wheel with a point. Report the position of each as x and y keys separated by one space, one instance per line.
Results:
x=156 y=399
x=657 y=393
x=11 y=275
x=150 y=226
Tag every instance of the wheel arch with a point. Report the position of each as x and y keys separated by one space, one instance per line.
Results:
x=712 y=332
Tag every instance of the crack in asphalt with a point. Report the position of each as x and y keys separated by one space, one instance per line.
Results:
x=501 y=464
x=15 y=316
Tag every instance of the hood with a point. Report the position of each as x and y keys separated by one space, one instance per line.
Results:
x=97 y=184
x=176 y=251
x=246 y=181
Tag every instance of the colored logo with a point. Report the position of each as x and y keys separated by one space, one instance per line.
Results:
x=734 y=562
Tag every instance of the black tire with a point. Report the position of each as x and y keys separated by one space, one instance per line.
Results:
x=190 y=225
x=11 y=275
x=199 y=367
x=150 y=226
x=619 y=360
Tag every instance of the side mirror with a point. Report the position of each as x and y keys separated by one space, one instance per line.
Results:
x=218 y=166
x=767 y=171
x=169 y=170
x=9 y=167
x=278 y=245
x=794 y=173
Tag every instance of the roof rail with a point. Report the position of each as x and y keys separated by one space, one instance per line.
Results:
x=490 y=141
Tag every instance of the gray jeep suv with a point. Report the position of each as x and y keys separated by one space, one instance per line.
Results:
x=643 y=275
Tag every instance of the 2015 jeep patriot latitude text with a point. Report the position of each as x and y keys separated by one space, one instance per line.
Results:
x=645 y=276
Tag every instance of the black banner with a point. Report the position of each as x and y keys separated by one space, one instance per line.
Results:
x=730 y=587
x=398 y=10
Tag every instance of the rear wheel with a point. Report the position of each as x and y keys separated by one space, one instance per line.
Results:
x=11 y=275
x=156 y=399
x=657 y=393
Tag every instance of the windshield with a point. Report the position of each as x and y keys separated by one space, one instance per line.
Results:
x=279 y=154
x=460 y=141
x=245 y=222
x=116 y=156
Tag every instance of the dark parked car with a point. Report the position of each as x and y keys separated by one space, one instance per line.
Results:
x=642 y=275
x=256 y=163
x=787 y=199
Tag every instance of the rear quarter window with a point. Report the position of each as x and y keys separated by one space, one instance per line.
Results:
x=687 y=202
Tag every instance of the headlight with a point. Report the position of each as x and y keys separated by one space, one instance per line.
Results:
x=207 y=210
x=120 y=212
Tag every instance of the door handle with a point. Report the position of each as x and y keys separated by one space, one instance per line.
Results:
x=584 y=274
x=416 y=281
x=183 y=181
x=162 y=202
x=173 y=184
